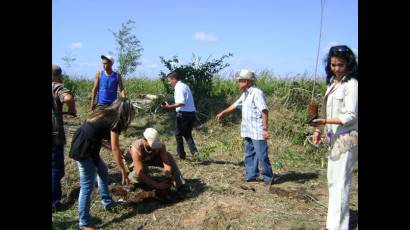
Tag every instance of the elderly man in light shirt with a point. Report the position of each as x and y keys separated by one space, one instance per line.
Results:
x=254 y=127
x=185 y=108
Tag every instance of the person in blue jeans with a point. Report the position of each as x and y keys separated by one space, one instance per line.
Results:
x=254 y=127
x=60 y=96
x=85 y=149
x=106 y=85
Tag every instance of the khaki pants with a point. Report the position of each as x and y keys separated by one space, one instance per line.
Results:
x=156 y=161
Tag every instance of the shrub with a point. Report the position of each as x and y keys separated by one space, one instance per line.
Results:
x=199 y=76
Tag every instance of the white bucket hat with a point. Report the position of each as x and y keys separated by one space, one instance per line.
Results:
x=152 y=137
x=245 y=74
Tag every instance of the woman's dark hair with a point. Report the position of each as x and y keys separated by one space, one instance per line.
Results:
x=119 y=114
x=347 y=54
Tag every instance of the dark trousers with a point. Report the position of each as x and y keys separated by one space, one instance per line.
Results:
x=57 y=172
x=184 y=125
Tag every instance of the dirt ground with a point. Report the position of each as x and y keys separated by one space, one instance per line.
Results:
x=216 y=197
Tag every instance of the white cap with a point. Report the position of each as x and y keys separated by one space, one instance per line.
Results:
x=245 y=74
x=108 y=57
x=152 y=137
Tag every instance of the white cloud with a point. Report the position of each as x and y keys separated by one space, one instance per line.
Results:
x=76 y=45
x=202 y=36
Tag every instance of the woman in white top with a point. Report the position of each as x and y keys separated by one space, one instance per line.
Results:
x=341 y=130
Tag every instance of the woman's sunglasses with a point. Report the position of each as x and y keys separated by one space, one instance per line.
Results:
x=341 y=49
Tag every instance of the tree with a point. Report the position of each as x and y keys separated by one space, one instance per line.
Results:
x=68 y=59
x=128 y=48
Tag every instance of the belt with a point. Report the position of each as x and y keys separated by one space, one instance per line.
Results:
x=191 y=112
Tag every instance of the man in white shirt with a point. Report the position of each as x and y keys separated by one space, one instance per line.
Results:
x=185 y=108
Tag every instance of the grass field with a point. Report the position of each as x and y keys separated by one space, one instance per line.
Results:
x=216 y=199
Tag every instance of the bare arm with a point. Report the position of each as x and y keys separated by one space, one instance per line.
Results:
x=115 y=147
x=265 y=124
x=121 y=86
x=165 y=161
x=324 y=121
x=95 y=89
x=70 y=102
x=228 y=110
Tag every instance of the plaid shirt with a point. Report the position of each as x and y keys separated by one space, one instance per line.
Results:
x=57 y=124
x=252 y=102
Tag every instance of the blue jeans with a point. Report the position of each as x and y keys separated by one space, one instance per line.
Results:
x=88 y=172
x=255 y=151
x=57 y=172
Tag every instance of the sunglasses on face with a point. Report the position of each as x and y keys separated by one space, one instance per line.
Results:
x=341 y=49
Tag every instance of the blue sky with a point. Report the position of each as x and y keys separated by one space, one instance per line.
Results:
x=276 y=35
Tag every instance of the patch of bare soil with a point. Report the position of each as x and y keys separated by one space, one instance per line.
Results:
x=135 y=194
x=218 y=213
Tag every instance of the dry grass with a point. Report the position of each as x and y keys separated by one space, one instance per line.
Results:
x=216 y=200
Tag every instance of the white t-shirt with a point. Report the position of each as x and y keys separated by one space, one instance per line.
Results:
x=183 y=95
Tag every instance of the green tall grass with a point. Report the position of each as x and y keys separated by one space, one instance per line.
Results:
x=287 y=100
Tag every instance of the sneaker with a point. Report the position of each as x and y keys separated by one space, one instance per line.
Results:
x=270 y=182
x=184 y=188
x=183 y=191
x=249 y=180
x=247 y=188
x=58 y=207
x=180 y=156
x=111 y=207
x=87 y=228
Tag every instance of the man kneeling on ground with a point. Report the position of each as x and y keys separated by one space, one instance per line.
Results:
x=151 y=151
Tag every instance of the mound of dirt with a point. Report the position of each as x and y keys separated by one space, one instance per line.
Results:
x=295 y=193
x=216 y=213
x=133 y=195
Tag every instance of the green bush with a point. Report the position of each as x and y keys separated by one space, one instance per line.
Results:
x=198 y=75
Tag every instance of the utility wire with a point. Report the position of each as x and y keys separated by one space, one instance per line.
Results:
x=322 y=6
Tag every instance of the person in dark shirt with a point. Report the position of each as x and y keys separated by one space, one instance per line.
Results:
x=85 y=149
x=59 y=97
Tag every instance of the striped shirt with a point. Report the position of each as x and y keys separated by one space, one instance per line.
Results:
x=252 y=102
